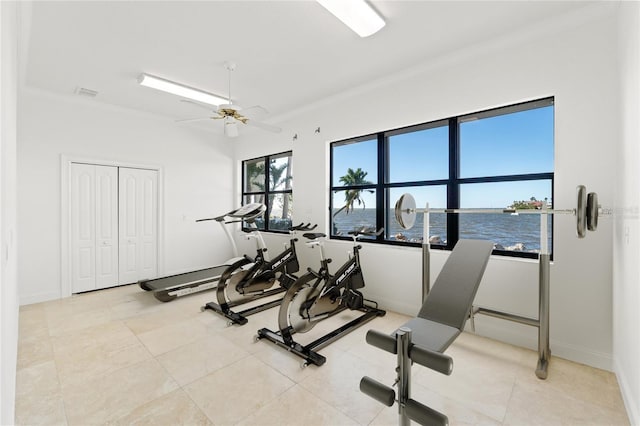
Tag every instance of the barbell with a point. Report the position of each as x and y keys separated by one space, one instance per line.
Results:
x=586 y=212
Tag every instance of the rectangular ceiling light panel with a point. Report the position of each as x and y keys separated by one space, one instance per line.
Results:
x=180 y=90
x=355 y=14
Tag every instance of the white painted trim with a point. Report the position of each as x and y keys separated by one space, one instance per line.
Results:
x=515 y=334
x=631 y=404
x=65 y=218
x=30 y=299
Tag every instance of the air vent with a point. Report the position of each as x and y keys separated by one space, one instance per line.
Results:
x=82 y=91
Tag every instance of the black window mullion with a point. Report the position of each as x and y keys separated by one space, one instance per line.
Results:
x=381 y=204
x=453 y=187
x=506 y=178
x=267 y=172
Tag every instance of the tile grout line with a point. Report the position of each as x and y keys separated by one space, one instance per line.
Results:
x=55 y=364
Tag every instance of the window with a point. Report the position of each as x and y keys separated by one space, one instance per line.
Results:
x=273 y=186
x=497 y=158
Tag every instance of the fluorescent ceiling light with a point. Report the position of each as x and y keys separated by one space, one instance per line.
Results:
x=355 y=14
x=180 y=90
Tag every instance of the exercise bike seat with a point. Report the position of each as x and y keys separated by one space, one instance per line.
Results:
x=314 y=235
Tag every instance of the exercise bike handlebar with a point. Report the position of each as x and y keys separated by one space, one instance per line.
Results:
x=303 y=227
x=369 y=232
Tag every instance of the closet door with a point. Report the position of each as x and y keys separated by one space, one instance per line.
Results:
x=83 y=225
x=138 y=201
x=106 y=226
x=94 y=224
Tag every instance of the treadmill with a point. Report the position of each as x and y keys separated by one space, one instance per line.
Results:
x=168 y=288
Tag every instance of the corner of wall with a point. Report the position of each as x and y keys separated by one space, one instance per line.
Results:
x=626 y=238
x=8 y=264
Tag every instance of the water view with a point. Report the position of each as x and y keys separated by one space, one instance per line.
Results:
x=508 y=232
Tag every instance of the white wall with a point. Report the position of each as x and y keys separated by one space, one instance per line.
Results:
x=197 y=170
x=570 y=58
x=626 y=243
x=8 y=264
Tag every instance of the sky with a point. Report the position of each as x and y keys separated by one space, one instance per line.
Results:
x=516 y=143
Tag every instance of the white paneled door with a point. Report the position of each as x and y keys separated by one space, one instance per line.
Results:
x=113 y=225
x=138 y=230
x=94 y=226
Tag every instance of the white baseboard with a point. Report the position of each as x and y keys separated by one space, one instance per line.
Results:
x=514 y=334
x=631 y=402
x=527 y=337
x=29 y=299
x=392 y=305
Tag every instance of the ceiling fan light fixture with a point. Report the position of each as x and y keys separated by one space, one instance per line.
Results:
x=355 y=14
x=168 y=86
x=230 y=128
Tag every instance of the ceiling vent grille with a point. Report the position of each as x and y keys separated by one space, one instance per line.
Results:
x=82 y=91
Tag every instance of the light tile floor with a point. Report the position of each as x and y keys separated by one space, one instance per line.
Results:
x=119 y=356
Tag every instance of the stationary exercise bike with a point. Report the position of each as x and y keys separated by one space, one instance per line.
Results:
x=249 y=279
x=316 y=296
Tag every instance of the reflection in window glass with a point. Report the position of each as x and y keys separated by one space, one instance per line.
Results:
x=280 y=208
x=507 y=231
x=353 y=209
x=419 y=155
x=277 y=195
x=254 y=175
x=255 y=198
x=355 y=163
x=437 y=198
x=280 y=173
x=508 y=144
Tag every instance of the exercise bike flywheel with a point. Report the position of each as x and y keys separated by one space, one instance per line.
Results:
x=296 y=320
x=230 y=289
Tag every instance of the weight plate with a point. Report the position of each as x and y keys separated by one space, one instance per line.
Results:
x=405 y=211
x=592 y=211
x=581 y=211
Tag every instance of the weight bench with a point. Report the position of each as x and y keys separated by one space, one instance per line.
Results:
x=424 y=339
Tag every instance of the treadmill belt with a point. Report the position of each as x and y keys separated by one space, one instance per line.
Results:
x=186 y=278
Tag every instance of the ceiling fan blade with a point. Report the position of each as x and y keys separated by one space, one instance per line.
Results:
x=263 y=126
x=209 y=108
x=186 y=120
x=254 y=112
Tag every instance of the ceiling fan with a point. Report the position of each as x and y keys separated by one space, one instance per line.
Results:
x=233 y=114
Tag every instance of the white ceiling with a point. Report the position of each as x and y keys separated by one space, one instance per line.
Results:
x=289 y=54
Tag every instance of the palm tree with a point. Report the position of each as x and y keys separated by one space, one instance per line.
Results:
x=279 y=177
x=353 y=178
x=276 y=177
x=255 y=179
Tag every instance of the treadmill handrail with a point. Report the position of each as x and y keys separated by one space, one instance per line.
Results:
x=248 y=212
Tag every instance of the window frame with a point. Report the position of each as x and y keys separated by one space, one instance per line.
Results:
x=453 y=182
x=267 y=189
